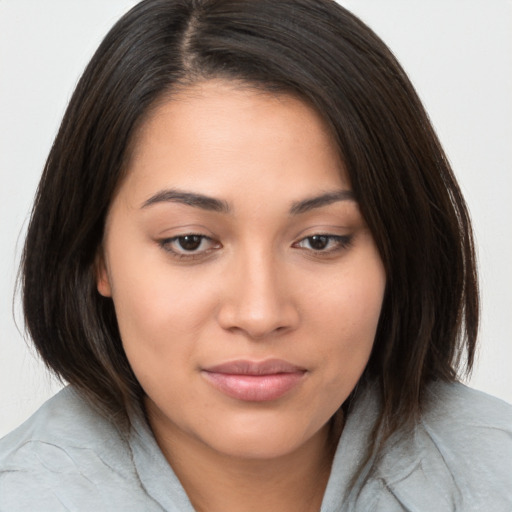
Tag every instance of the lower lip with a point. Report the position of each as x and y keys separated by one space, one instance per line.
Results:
x=254 y=388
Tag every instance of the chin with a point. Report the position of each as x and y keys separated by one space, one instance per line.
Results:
x=263 y=440
x=262 y=447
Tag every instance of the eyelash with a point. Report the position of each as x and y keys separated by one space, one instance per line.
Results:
x=340 y=242
x=191 y=255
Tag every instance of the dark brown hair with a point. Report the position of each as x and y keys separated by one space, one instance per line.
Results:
x=397 y=168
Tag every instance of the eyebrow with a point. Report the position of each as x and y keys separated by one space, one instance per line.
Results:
x=326 y=199
x=189 y=198
x=217 y=205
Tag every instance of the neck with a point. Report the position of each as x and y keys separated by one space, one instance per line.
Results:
x=216 y=482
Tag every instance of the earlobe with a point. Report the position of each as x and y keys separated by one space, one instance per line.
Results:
x=102 y=275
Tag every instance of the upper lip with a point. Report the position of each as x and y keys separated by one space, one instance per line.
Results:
x=245 y=367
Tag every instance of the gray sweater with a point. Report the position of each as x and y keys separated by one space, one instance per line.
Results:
x=67 y=457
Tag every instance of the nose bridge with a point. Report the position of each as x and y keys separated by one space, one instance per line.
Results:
x=262 y=290
x=257 y=301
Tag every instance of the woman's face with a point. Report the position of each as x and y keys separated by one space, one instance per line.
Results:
x=246 y=283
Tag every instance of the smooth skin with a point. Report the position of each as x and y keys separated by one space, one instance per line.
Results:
x=235 y=236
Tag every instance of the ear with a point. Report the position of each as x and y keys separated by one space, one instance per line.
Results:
x=102 y=275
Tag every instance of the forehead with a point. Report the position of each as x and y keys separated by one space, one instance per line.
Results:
x=218 y=132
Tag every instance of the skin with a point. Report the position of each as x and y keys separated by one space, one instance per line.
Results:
x=257 y=286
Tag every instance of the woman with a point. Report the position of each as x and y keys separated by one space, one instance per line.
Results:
x=251 y=261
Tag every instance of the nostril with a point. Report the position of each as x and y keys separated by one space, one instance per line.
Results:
x=258 y=327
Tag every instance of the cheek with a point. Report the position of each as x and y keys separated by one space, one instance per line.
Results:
x=160 y=314
x=149 y=293
x=347 y=319
x=351 y=302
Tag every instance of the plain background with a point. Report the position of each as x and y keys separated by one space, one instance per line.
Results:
x=456 y=52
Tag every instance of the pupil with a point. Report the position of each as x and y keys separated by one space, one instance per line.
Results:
x=190 y=242
x=318 y=242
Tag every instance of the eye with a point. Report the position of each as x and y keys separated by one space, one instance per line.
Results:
x=189 y=245
x=189 y=242
x=324 y=243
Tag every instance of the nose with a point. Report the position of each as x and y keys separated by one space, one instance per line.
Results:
x=257 y=300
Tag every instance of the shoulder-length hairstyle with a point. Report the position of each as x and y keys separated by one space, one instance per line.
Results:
x=399 y=173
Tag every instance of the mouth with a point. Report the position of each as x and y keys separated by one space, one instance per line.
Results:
x=254 y=381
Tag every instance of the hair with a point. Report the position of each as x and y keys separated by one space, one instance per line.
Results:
x=399 y=173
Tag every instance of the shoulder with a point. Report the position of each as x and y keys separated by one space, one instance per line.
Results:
x=469 y=427
x=449 y=403
x=64 y=423
x=65 y=454
x=459 y=456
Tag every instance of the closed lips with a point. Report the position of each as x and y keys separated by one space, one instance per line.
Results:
x=254 y=381
x=267 y=367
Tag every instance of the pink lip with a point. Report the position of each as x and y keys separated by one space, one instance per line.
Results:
x=254 y=381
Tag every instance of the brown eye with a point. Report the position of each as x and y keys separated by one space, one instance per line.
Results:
x=318 y=242
x=324 y=243
x=189 y=246
x=190 y=242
